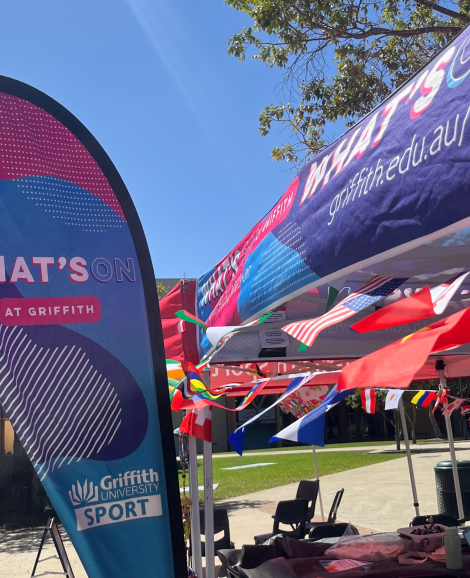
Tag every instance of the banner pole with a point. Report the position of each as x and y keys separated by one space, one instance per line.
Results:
x=453 y=458
x=408 y=456
x=208 y=503
x=318 y=478
x=194 y=496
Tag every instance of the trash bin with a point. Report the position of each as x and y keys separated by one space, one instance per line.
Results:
x=446 y=498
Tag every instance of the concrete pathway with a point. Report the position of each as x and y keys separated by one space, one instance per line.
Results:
x=18 y=551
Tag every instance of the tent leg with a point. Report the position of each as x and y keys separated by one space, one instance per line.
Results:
x=194 y=496
x=453 y=459
x=318 y=478
x=408 y=456
x=209 y=511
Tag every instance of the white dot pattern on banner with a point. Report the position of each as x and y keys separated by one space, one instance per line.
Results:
x=32 y=142
x=70 y=204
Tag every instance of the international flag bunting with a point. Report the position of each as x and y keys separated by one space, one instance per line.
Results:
x=190 y=318
x=237 y=436
x=218 y=335
x=424 y=398
x=377 y=288
x=201 y=400
x=368 y=400
x=310 y=429
x=425 y=303
x=447 y=411
x=198 y=423
x=398 y=362
x=393 y=399
x=191 y=385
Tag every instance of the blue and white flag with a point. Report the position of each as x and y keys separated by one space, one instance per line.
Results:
x=310 y=429
x=236 y=437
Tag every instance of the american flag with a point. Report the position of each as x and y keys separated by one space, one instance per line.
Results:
x=377 y=288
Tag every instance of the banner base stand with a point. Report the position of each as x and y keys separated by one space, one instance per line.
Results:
x=53 y=530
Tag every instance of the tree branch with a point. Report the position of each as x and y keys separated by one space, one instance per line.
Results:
x=457 y=15
x=376 y=31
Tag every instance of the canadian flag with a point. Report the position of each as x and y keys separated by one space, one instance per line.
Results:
x=198 y=423
x=368 y=400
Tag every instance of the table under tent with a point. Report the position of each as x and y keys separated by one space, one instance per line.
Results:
x=378 y=216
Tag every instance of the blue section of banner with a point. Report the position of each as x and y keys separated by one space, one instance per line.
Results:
x=81 y=396
x=261 y=282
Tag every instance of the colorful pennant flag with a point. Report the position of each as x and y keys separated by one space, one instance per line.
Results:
x=201 y=400
x=190 y=318
x=424 y=398
x=398 y=362
x=310 y=429
x=425 y=303
x=368 y=400
x=377 y=288
x=393 y=399
x=447 y=411
x=191 y=385
x=237 y=436
x=198 y=423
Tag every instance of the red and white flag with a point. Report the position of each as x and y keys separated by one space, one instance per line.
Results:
x=423 y=304
x=368 y=400
x=198 y=423
x=447 y=411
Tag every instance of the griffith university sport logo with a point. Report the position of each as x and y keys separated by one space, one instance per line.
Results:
x=128 y=496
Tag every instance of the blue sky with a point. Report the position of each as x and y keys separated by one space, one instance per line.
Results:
x=151 y=79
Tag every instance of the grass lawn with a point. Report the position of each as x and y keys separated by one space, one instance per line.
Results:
x=287 y=469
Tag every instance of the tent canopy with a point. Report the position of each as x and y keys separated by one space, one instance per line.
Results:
x=384 y=199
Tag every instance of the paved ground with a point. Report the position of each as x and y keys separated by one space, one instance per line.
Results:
x=376 y=498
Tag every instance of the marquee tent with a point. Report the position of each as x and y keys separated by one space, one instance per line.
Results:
x=389 y=198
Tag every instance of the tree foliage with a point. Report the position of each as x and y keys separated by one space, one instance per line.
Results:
x=340 y=58
x=161 y=290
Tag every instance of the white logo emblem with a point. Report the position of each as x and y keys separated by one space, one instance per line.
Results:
x=83 y=494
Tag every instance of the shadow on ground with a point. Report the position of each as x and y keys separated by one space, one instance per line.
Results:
x=29 y=540
x=236 y=505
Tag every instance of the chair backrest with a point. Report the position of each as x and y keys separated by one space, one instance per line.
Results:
x=330 y=531
x=308 y=490
x=334 y=506
x=220 y=525
x=443 y=519
x=293 y=513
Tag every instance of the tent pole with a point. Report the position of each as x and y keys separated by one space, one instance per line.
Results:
x=208 y=502
x=453 y=459
x=208 y=511
x=408 y=456
x=194 y=496
x=318 y=478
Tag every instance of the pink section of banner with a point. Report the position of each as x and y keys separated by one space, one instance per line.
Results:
x=49 y=311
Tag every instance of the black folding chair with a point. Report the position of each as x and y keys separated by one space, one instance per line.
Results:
x=220 y=525
x=330 y=531
x=443 y=519
x=308 y=490
x=288 y=512
x=331 y=516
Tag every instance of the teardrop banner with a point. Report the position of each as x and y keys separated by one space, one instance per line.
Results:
x=82 y=364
